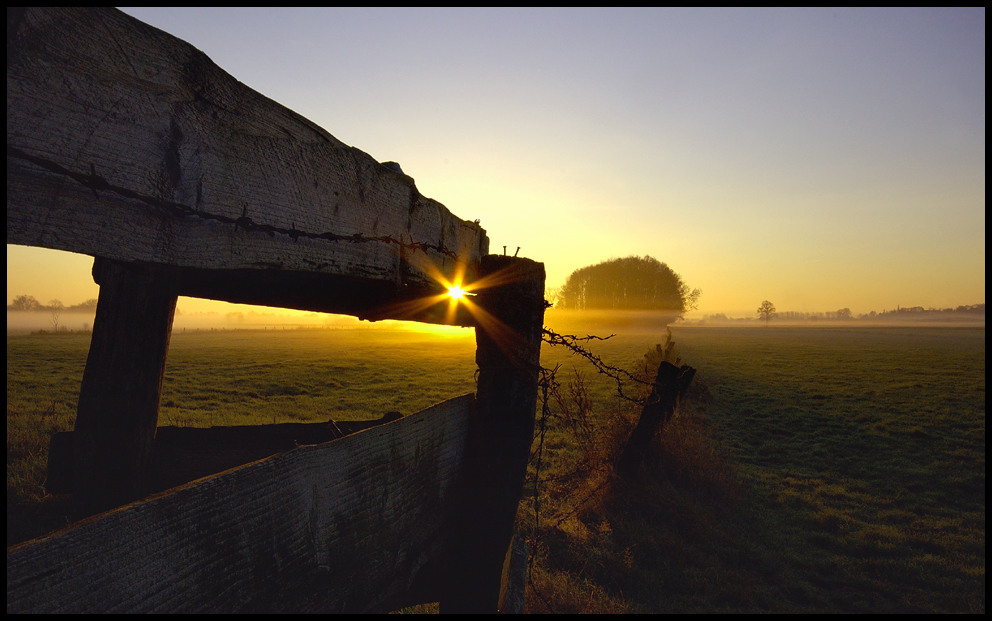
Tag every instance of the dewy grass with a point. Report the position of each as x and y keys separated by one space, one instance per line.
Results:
x=809 y=470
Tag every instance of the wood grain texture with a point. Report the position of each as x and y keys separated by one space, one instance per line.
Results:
x=127 y=143
x=122 y=383
x=346 y=526
x=508 y=355
x=182 y=454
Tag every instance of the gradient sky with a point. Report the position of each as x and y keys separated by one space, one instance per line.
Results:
x=817 y=158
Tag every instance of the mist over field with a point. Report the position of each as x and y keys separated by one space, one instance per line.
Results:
x=33 y=321
x=562 y=321
x=645 y=322
x=263 y=318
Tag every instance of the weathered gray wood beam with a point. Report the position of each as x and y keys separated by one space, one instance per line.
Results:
x=354 y=525
x=127 y=143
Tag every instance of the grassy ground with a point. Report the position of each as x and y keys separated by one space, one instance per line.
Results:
x=810 y=471
x=823 y=470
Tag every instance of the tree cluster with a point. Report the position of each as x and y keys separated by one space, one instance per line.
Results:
x=30 y=303
x=630 y=283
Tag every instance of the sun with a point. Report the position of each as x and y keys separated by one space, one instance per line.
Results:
x=456 y=293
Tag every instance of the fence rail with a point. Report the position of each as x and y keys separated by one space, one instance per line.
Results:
x=183 y=454
x=354 y=525
x=127 y=143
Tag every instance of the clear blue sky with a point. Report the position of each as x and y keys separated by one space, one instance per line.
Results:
x=818 y=158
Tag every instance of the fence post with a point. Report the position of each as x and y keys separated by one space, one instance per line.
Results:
x=510 y=315
x=119 y=396
x=670 y=385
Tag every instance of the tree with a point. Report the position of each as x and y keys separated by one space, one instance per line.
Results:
x=56 y=307
x=25 y=303
x=88 y=306
x=630 y=283
x=551 y=295
x=766 y=311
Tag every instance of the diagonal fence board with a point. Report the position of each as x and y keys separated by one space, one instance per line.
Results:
x=345 y=526
x=127 y=143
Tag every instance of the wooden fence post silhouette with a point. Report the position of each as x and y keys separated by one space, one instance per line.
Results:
x=670 y=385
x=508 y=337
x=118 y=400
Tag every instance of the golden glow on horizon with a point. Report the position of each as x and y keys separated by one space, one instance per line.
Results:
x=48 y=274
x=501 y=334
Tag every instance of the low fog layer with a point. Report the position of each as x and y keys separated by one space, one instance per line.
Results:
x=34 y=321
x=269 y=319
x=637 y=322
x=561 y=321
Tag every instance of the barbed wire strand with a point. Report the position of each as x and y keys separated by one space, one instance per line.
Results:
x=99 y=184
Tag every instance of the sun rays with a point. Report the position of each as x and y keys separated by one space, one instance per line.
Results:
x=456 y=302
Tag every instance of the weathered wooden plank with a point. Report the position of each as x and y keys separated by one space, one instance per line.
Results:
x=127 y=143
x=353 y=525
x=182 y=454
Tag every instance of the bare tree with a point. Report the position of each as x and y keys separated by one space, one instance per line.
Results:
x=56 y=307
x=766 y=311
x=551 y=295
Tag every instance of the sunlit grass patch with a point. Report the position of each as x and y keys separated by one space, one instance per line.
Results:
x=561 y=592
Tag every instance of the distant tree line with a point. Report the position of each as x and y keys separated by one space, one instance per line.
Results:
x=630 y=283
x=843 y=313
x=29 y=303
x=911 y=312
x=919 y=311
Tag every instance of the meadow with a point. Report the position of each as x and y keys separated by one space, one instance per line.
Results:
x=821 y=469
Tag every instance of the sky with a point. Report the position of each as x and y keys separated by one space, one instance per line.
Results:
x=817 y=158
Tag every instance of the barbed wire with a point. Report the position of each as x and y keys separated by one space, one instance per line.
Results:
x=571 y=342
x=548 y=384
x=98 y=184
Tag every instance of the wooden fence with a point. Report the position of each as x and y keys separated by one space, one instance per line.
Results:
x=343 y=526
x=129 y=145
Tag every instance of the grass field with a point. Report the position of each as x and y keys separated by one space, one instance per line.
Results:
x=811 y=470
x=859 y=455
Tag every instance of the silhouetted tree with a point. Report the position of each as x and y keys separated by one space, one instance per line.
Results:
x=766 y=311
x=87 y=306
x=25 y=303
x=631 y=283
